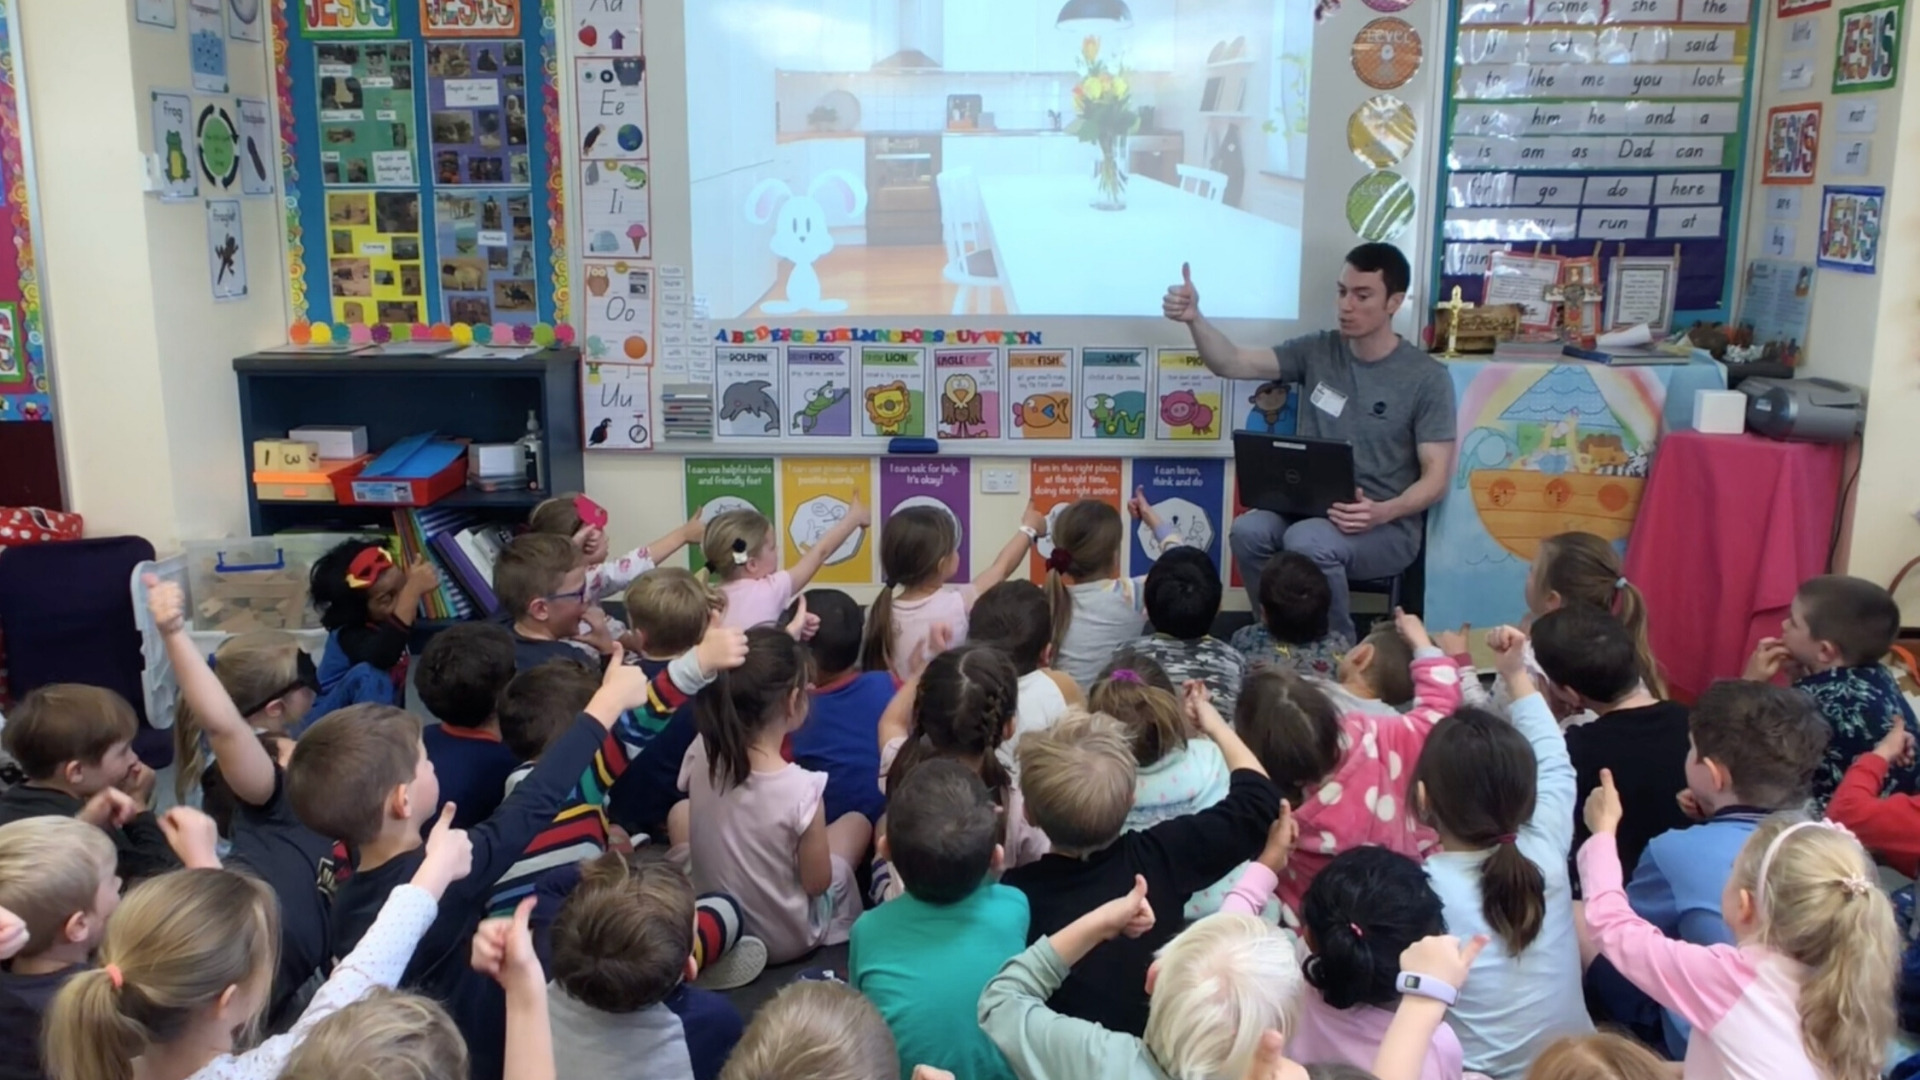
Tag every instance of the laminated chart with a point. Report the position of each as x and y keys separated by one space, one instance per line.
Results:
x=942 y=483
x=747 y=391
x=477 y=112
x=815 y=494
x=893 y=391
x=820 y=391
x=1057 y=483
x=1039 y=393
x=1188 y=397
x=968 y=384
x=367 y=121
x=717 y=485
x=1113 y=394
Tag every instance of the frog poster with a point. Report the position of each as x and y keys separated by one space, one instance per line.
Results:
x=1187 y=396
x=173 y=146
x=819 y=391
x=815 y=494
x=968 y=384
x=893 y=391
x=1113 y=394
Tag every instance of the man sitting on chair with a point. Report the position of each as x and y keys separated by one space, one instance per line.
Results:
x=1364 y=385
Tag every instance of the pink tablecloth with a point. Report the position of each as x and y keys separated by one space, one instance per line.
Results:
x=1728 y=528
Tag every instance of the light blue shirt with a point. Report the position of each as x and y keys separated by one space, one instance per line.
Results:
x=1513 y=1006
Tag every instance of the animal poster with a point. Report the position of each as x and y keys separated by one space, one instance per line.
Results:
x=1056 y=482
x=619 y=310
x=1039 y=393
x=226 y=250
x=1113 y=394
x=968 y=382
x=610 y=99
x=746 y=382
x=259 y=151
x=469 y=18
x=216 y=146
x=893 y=392
x=367 y=121
x=246 y=20
x=1793 y=144
x=1868 y=49
x=1271 y=407
x=160 y=13
x=616 y=405
x=717 y=485
x=942 y=482
x=373 y=257
x=1188 y=493
x=608 y=27
x=820 y=391
x=477 y=112
x=616 y=208
x=347 y=18
x=815 y=493
x=484 y=241
x=1850 y=221
x=207 y=44
x=172 y=144
x=1189 y=397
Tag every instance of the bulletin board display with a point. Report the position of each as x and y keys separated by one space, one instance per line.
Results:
x=422 y=162
x=1615 y=127
x=25 y=395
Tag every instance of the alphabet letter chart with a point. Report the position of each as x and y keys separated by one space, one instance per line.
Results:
x=1615 y=124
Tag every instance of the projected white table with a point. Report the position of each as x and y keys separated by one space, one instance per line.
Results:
x=1060 y=256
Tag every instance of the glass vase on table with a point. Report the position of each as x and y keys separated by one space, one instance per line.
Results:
x=1110 y=174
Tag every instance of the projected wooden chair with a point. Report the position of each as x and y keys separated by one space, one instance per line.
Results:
x=1206 y=183
x=970 y=260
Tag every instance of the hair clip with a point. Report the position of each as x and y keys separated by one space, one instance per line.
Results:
x=1506 y=838
x=1127 y=675
x=367 y=567
x=1855 y=885
x=1059 y=560
x=1357 y=932
x=740 y=557
x=1620 y=582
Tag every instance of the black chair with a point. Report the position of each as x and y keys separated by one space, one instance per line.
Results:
x=1406 y=589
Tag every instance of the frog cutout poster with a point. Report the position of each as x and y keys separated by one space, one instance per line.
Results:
x=1113 y=394
x=1189 y=401
x=173 y=146
x=893 y=392
x=1039 y=393
x=968 y=384
x=819 y=391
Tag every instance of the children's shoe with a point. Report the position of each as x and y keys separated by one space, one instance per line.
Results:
x=741 y=965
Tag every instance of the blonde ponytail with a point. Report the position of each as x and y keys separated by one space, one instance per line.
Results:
x=88 y=1037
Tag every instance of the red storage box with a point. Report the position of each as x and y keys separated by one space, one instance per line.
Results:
x=413 y=472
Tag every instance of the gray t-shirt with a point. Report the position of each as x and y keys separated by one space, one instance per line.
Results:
x=1392 y=405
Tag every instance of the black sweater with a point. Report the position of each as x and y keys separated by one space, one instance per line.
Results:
x=139 y=844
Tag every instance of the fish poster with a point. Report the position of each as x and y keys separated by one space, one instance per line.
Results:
x=945 y=483
x=207 y=44
x=374 y=268
x=717 y=485
x=469 y=18
x=968 y=382
x=746 y=381
x=815 y=494
x=484 y=241
x=619 y=310
x=616 y=406
x=1113 y=394
x=1058 y=482
x=1039 y=393
x=1188 y=397
x=259 y=150
x=477 y=112
x=226 y=250
x=893 y=391
x=1189 y=494
x=610 y=102
x=173 y=145
x=616 y=208
x=367 y=120
x=1271 y=407
x=820 y=391
x=608 y=28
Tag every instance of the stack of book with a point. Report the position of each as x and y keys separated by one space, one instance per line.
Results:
x=463 y=549
x=686 y=410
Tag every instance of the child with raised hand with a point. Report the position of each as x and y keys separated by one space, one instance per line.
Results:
x=1095 y=608
x=459 y=678
x=1889 y=827
x=58 y=888
x=755 y=824
x=1500 y=795
x=1290 y=629
x=919 y=554
x=668 y=610
x=367 y=604
x=1808 y=993
x=569 y=515
x=1345 y=767
x=267 y=838
x=743 y=552
x=186 y=961
x=503 y=951
x=1182 y=593
x=269 y=679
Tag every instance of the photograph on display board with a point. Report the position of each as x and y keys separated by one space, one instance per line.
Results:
x=367 y=124
x=477 y=112
x=373 y=257
x=484 y=243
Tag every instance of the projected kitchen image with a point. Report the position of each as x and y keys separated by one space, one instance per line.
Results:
x=996 y=157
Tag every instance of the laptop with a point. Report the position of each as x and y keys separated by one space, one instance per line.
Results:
x=1292 y=475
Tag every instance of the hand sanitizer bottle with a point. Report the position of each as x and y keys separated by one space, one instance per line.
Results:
x=532 y=454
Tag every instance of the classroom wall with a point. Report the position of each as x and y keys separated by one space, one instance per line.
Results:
x=150 y=417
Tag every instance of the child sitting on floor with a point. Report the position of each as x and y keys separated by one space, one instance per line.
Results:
x=919 y=554
x=1095 y=609
x=57 y=876
x=543 y=589
x=1013 y=617
x=815 y=1030
x=1183 y=598
x=1290 y=629
x=368 y=605
x=264 y=673
x=838 y=737
x=567 y=515
x=668 y=610
x=460 y=677
x=743 y=554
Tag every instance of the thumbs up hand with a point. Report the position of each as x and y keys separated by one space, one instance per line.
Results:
x=1182 y=302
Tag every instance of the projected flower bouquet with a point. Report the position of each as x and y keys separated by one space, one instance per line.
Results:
x=1104 y=116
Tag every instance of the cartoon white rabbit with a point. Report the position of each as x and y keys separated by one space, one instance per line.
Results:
x=800 y=232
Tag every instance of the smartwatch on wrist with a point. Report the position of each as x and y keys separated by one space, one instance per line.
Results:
x=1412 y=982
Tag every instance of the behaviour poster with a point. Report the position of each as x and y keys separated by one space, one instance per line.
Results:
x=1190 y=494
x=1039 y=393
x=820 y=390
x=1056 y=482
x=1113 y=394
x=968 y=381
x=610 y=99
x=477 y=112
x=485 y=247
x=815 y=494
x=619 y=310
x=747 y=380
x=173 y=144
x=216 y=146
x=259 y=152
x=893 y=392
x=1189 y=397
x=373 y=257
x=717 y=485
x=367 y=122
x=207 y=45
x=226 y=250
x=616 y=405
x=944 y=483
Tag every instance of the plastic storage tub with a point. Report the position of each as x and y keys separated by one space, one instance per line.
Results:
x=239 y=585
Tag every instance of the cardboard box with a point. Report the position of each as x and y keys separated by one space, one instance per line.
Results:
x=336 y=440
x=412 y=472
x=285 y=455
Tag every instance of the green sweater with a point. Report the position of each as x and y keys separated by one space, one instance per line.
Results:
x=1041 y=1044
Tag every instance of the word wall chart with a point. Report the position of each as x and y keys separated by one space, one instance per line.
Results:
x=1608 y=128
